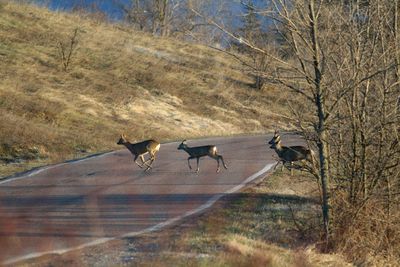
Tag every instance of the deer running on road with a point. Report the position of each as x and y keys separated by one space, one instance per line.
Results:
x=140 y=149
x=201 y=151
x=291 y=153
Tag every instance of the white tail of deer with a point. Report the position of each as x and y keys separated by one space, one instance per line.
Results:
x=140 y=149
x=290 y=154
x=201 y=151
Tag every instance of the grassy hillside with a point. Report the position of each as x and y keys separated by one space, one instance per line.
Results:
x=118 y=80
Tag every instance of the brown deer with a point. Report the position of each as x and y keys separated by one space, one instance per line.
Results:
x=140 y=149
x=201 y=151
x=291 y=153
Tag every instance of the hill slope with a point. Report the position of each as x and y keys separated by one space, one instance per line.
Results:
x=118 y=80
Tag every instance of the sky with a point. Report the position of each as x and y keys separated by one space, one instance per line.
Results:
x=109 y=7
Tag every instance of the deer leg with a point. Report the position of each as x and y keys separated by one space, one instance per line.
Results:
x=188 y=160
x=145 y=162
x=149 y=165
x=291 y=168
x=277 y=163
x=217 y=159
x=198 y=159
x=223 y=162
x=135 y=159
x=151 y=159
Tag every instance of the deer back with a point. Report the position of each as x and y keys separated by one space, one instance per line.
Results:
x=294 y=153
x=144 y=147
x=200 y=151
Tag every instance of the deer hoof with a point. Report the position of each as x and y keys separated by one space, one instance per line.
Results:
x=148 y=168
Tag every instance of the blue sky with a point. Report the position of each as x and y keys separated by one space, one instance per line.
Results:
x=106 y=6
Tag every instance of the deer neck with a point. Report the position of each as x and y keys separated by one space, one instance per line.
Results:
x=278 y=148
x=128 y=145
x=186 y=148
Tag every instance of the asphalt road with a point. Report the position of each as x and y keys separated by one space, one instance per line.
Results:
x=71 y=205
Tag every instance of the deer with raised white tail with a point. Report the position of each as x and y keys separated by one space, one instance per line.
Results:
x=291 y=153
x=201 y=151
x=140 y=149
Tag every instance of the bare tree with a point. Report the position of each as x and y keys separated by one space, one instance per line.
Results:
x=160 y=17
x=337 y=58
x=255 y=63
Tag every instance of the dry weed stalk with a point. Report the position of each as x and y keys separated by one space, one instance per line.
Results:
x=67 y=50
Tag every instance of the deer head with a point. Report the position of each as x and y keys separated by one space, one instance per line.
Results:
x=122 y=140
x=182 y=145
x=275 y=140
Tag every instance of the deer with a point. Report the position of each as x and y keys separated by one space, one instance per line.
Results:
x=140 y=149
x=201 y=151
x=290 y=154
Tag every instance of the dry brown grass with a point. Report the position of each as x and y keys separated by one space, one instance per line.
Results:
x=118 y=80
x=369 y=235
x=271 y=224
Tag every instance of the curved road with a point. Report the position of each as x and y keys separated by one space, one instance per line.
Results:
x=71 y=205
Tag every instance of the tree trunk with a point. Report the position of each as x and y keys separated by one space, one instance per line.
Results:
x=396 y=37
x=321 y=126
x=324 y=166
